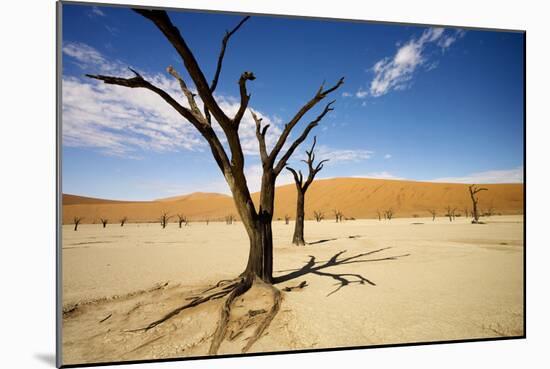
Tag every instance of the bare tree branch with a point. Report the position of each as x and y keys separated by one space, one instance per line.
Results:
x=320 y=95
x=282 y=162
x=226 y=38
x=260 y=135
x=298 y=177
x=245 y=97
x=188 y=94
x=172 y=33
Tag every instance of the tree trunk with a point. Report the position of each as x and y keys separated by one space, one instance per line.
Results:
x=476 y=215
x=298 y=238
x=257 y=226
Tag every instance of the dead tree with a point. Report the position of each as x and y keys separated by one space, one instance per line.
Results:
x=123 y=221
x=450 y=213
x=473 y=189
x=287 y=219
x=229 y=219
x=338 y=215
x=466 y=212
x=380 y=215
x=301 y=189
x=388 y=214
x=76 y=221
x=182 y=220
x=433 y=212
x=228 y=154
x=104 y=221
x=207 y=221
x=164 y=218
x=318 y=215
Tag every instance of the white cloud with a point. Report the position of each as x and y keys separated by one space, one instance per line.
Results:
x=387 y=156
x=341 y=155
x=361 y=94
x=514 y=175
x=447 y=40
x=97 y=12
x=120 y=121
x=396 y=73
x=346 y=94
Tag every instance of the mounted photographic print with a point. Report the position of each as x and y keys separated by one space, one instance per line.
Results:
x=238 y=184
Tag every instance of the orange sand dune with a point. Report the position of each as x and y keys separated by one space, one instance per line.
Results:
x=355 y=197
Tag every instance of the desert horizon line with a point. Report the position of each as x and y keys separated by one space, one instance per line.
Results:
x=189 y=193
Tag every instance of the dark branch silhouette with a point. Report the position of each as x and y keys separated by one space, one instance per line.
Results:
x=301 y=189
x=123 y=221
x=433 y=212
x=104 y=221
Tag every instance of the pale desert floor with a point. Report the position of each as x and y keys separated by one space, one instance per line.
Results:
x=390 y=282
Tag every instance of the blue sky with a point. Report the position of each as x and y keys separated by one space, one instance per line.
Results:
x=419 y=103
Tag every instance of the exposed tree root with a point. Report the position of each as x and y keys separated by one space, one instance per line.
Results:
x=267 y=321
x=232 y=289
x=221 y=330
x=220 y=290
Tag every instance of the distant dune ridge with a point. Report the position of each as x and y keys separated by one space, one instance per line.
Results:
x=355 y=197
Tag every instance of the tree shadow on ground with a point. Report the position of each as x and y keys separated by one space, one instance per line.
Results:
x=343 y=279
x=321 y=241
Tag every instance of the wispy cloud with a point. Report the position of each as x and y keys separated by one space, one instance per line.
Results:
x=120 y=121
x=361 y=94
x=387 y=156
x=514 y=175
x=342 y=155
x=395 y=73
x=96 y=12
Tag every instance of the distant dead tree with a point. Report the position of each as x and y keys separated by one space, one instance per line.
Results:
x=287 y=218
x=207 y=221
x=466 y=212
x=433 y=212
x=450 y=213
x=229 y=219
x=227 y=150
x=388 y=214
x=123 y=221
x=301 y=189
x=473 y=189
x=164 y=218
x=104 y=221
x=338 y=215
x=182 y=220
x=76 y=221
x=318 y=215
x=379 y=213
